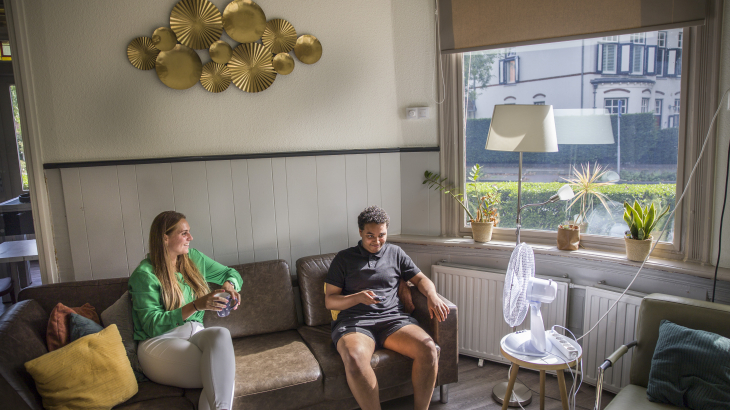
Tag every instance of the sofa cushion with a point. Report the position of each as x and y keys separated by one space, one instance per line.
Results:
x=80 y=326
x=311 y=272
x=273 y=361
x=22 y=332
x=168 y=403
x=150 y=391
x=120 y=314
x=267 y=301
x=92 y=372
x=633 y=397
x=391 y=368
x=58 y=334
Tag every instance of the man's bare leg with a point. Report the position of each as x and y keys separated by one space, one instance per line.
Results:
x=414 y=342
x=357 y=350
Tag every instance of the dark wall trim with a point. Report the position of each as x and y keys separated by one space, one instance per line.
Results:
x=57 y=165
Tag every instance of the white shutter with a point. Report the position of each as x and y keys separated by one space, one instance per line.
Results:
x=671 y=62
x=625 y=58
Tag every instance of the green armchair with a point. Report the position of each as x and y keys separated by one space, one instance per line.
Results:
x=691 y=313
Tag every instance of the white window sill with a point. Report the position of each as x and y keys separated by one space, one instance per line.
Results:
x=654 y=263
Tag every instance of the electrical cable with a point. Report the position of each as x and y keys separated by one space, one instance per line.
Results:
x=722 y=216
x=666 y=223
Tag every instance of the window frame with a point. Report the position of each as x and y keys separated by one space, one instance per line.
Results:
x=624 y=106
x=645 y=105
x=670 y=250
x=503 y=64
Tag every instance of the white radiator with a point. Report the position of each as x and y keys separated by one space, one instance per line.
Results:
x=478 y=294
x=618 y=328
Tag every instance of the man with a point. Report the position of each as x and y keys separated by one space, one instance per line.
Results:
x=362 y=283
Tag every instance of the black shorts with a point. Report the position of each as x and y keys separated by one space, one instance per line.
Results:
x=377 y=328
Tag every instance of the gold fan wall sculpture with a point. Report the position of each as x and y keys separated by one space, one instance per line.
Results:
x=279 y=36
x=216 y=77
x=251 y=67
x=197 y=23
x=265 y=50
x=141 y=53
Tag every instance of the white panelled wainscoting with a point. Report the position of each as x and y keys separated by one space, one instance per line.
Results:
x=240 y=210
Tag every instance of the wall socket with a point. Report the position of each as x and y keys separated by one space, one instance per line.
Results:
x=414 y=113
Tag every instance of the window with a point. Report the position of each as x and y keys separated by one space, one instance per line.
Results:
x=679 y=39
x=661 y=54
x=645 y=105
x=613 y=105
x=5 y=51
x=658 y=112
x=509 y=70
x=18 y=137
x=588 y=131
x=661 y=39
x=637 y=59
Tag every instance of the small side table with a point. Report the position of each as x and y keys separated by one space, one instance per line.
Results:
x=542 y=364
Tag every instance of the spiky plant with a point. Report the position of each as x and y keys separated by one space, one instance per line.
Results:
x=586 y=186
x=641 y=221
x=484 y=214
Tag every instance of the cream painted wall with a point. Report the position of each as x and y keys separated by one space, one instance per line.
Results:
x=378 y=59
x=723 y=139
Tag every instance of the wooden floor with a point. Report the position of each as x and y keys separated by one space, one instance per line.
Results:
x=474 y=389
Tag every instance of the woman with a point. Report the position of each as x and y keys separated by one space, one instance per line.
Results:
x=169 y=294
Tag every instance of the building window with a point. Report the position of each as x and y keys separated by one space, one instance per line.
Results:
x=509 y=70
x=661 y=54
x=658 y=112
x=640 y=170
x=679 y=39
x=612 y=105
x=673 y=121
x=661 y=39
x=609 y=58
x=637 y=59
x=638 y=38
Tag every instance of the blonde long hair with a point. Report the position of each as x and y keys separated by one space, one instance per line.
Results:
x=172 y=296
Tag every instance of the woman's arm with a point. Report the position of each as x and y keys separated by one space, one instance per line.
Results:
x=215 y=272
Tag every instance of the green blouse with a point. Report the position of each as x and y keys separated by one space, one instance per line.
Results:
x=149 y=315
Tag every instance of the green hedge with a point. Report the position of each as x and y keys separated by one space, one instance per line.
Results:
x=549 y=216
x=641 y=144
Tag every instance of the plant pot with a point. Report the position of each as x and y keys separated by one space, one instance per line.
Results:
x=637 y=250
x=482 y=231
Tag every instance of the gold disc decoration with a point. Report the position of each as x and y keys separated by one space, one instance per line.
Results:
x=244 y=21
x=279 y=36
x=251 y=67
x=220 y=52
x=164 y=39
x=308 y=49
x=179 y=68
x=197 y=23
x=283 y=63
x=216 y=77
x=142 y=53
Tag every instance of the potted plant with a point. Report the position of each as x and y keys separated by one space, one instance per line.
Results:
x=586 y=183
x=486 y=217
x=641 y=222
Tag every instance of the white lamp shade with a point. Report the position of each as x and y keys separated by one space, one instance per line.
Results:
x=565 y=193
x=583 y=126
x=522 y=128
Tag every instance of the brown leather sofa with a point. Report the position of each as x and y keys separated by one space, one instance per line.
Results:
x=280 y=363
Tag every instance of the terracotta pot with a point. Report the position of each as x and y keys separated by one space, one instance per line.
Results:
x=482 y=231
x=637 y=250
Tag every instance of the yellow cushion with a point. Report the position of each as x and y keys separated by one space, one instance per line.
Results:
x=92 y=372
x=334 y=313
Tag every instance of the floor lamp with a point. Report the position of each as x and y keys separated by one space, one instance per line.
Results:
x=521 y=128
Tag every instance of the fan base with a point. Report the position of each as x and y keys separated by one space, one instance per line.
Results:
x=520 y=394
x=520 y=343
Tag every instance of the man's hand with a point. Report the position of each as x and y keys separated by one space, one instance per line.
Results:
x=366 y=297
x=437 y=307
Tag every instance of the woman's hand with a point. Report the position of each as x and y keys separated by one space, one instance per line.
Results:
x=211 y=301
x=437 y=307
x=228 y=286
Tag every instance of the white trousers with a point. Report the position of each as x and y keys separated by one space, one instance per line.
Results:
x=189 y=357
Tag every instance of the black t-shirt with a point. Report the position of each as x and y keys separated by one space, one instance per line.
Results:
x=355 y=269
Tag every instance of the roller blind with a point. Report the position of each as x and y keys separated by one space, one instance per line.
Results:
x=469 y=25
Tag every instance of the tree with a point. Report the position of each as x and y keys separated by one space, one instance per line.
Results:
x=477 y=72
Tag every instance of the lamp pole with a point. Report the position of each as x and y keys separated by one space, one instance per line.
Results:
x=618 y=140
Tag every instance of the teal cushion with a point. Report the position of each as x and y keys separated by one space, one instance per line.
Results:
x=81 y=326
x=690 y=368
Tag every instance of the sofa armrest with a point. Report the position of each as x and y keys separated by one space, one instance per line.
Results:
x=445 y=334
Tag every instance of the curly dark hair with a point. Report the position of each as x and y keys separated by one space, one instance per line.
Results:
x=372 y=214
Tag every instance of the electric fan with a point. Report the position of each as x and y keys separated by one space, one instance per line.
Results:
x=522 y=290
